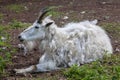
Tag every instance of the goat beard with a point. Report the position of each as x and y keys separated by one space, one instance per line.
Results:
x=30 y=45
x=27 y=46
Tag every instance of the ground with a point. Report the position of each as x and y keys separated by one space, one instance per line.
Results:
x=105 y=11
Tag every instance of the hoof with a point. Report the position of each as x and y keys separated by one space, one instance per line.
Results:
x=19 y=72
x=16 y=71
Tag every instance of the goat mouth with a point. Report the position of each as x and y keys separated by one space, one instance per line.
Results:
x=21 y=40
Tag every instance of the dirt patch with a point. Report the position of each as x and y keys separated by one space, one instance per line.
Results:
x=76 y=10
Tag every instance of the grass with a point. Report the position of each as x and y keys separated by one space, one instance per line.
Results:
x=53 y=11
x=16 y=7
x=6 y=50
x=113 y=29
x=17 y=24
x=106 y=69
x=5 y=54
x=39 y=78
x=3 y=32
x=1 y=16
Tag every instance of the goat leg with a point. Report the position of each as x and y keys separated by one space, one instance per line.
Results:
x=41 y=67
x=26 y=70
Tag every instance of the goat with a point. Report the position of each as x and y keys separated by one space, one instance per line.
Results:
x=74 y=43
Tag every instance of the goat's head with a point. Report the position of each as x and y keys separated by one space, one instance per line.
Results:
x=37 y=30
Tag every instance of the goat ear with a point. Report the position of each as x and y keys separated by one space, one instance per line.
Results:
x=48 y=24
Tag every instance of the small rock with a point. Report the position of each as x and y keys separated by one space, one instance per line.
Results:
x=26 y=8
x=83 y=12
x=62 y=22
x=106 y=17
x=4 y=48
x=116 y=41
x=103 y=2
x=118 y=50
x=3 y=38
x=65 y=17
x=14 y=56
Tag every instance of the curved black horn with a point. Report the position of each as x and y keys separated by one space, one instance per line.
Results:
x=42 y=13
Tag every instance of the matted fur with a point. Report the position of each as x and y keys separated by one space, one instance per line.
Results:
x=74 y=43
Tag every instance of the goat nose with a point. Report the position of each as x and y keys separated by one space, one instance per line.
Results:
x=20 y=38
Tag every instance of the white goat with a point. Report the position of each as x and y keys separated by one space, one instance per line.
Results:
x=75 y=43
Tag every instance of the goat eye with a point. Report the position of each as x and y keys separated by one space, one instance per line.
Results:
x=36 y=27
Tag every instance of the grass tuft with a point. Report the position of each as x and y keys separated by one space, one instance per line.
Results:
x=106 y=69
x=16 y=7
x=6 y=49
x=113 y=29
x=53 y=11
x=17 y=24
x=1 y=16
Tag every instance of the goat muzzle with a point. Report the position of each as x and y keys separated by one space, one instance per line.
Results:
x=20 y=38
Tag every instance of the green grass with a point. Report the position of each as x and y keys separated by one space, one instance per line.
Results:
x=39 y=78
x=5 y=55
x=53 y=11
x=106 y=69
x=1 y=16
x=3 y=29
x=6 y=50
x=3 y=61
x=112 y=28
x=16 y=7
x=17 y=24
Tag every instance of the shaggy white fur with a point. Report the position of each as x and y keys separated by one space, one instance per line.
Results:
x=74 y=43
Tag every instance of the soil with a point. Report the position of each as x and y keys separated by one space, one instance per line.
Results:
x=76 y=10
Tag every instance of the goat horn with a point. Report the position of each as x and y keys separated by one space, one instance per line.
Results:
x=42 y=13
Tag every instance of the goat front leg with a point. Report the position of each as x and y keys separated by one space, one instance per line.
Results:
x=41 y=67
x=26 y=70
